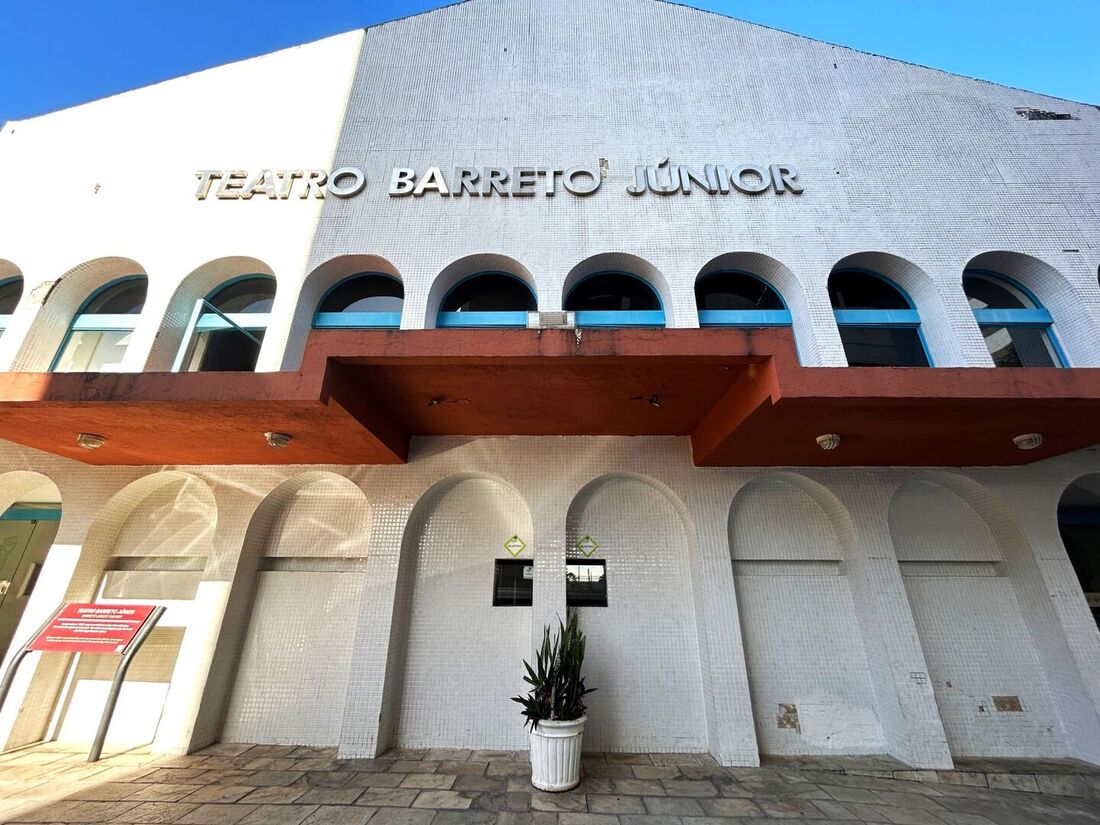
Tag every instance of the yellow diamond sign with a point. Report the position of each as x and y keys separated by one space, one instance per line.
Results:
x=515 y=545
x=587 y=546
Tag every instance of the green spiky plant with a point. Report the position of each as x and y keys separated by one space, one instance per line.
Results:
x=557 y=686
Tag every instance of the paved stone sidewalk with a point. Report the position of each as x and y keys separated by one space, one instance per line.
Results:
x=275 y=785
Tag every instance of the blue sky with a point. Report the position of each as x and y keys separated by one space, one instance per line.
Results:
x=57 y=53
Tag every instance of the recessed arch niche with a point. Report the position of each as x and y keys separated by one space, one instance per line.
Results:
x=807 y=666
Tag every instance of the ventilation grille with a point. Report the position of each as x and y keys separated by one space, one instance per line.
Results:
x=550 y=320
x=1043 y=114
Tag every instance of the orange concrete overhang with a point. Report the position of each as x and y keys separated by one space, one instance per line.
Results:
x=739 y=394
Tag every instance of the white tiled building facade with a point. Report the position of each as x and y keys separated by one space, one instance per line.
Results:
x=776 y=611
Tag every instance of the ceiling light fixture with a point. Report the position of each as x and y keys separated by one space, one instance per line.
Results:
x=90 y=441
x=1028 y=441
x=829 y=441
x=277 y=439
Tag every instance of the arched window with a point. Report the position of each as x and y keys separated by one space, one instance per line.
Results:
x=878 y=324
x=11 y=290
x=101 y=331
x=734 y=298
x=487 y=299
x=369 y=299
x=615 y=299
x=227 y=327
x=1017 y=330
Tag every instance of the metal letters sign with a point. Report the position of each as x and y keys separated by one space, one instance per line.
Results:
x=93 y=628
x=279 y=184
x=662 y=178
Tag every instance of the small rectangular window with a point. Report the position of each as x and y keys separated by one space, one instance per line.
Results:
x=513 y=583
x=586 y=583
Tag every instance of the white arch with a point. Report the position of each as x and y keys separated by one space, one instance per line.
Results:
x=653 y=577
x=831 y=515
x=172 y=323
x=783 y=281
x=317 y=283
x=465 y=267
x=60 y=305
x=1025 y=643
x=406 y=658
x=335 y=523
x=1075 y=319
x=99 y=544
x=945 y=348
x=621 y=262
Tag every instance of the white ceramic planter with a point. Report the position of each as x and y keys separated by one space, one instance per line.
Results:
x=556 y=755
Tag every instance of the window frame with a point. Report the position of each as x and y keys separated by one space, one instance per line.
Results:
x=504 y=319
x=881 y=318
x=602 y=563
x=92 y=322
x=358 y=320
x=618 y=317
x=743 y=317
x=500 y=563
x=205 y=317
x=1037 y=316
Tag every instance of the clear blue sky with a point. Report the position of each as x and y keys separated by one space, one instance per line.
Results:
x=57 y=53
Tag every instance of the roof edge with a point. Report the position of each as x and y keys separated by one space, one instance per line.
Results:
x=683 y=5
x=456 y=3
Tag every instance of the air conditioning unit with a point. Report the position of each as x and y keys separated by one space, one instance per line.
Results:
x=549 y=320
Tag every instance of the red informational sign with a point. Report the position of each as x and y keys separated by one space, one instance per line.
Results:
x=93 y=628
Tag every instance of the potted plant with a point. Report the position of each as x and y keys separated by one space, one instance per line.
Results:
x=554 y=707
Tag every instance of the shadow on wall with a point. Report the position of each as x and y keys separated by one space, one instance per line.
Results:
x=149 y=544
x=985 y=669
x=296 y=604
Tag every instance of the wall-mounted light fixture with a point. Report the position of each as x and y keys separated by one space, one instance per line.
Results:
x=829 y=441
x=90 y=441
x=277 y=439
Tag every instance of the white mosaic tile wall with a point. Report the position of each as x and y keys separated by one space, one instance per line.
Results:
x=931 y=170
x=442 y=621
x=169 y=522
x=301 y=630
x=642 y=648
x=971 y=628
x=462 y=657
x=299 y=644
x=978 y=647
x=802 y=640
